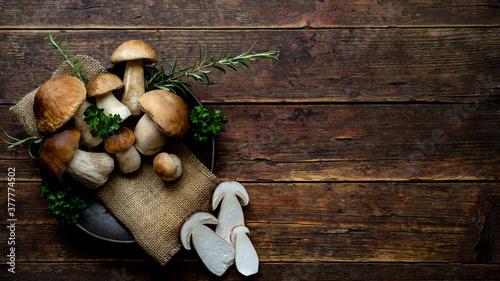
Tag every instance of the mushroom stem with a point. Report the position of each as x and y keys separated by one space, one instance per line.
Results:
x=149 y=139
x=92 y=169
x=128 y=160
x=133 y=79
x=84 y=128
x=112 y=105
x=246 y=258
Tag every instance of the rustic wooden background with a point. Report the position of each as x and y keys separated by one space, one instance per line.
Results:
x=370 y=150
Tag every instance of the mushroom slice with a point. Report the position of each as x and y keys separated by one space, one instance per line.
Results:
x=121 y=145
x=230 y=213
x=79 y=121
x=91 y=169
x=167 y=166
x=214 y=252
x=246 y=258
x=101 y=88
x=57 y=101
x=168 y=112
x=133 y=52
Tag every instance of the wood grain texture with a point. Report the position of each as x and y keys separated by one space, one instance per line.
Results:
x=267 y=271
x=340 y=65
x=345 y=143
x=312 y=222
x=246 y=14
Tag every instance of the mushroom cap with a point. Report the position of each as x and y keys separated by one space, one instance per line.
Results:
x=57 y=151
x=191 y=223
x=168 y=110
x=103 y=84
x=119 y=141
x=228 y=188
x=167 y=166
x=134 y=50
x=57 y=101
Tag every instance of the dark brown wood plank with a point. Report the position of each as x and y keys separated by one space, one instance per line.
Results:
x=343 y=143
x=309 y=222
x=267 y=271
x=340 y=65
x=247 y=14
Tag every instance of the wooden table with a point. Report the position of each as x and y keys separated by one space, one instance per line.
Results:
x=370 y=150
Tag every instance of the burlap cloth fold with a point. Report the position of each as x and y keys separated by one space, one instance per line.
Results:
x=153 y=210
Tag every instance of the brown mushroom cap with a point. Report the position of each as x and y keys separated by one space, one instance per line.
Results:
x=57 y=101
x=57 y=151
x=119 y=141
x=134 y=50
x=168 y=110
x=167 y=166
x=103 y=84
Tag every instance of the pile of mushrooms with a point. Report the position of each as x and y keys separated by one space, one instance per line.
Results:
x=59 y=108
x=229 y=243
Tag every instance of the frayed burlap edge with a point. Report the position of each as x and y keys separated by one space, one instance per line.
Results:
x=153 y=210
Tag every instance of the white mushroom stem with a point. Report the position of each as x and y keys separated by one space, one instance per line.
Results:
x=230 y=213
x=128 y=160
x=86 y=137
x=246 y=258
x=214 y=252
x=91 y=169
x=149 y=139
x=112 y=105
x=133 y=78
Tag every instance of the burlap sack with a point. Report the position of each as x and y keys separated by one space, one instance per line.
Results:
x=153 y=210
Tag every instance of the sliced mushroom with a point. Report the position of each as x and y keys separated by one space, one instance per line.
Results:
x=246 y=258
x=79 y=121
x=91 y=169
x=214 y=252
x=133 y=52
x=230 y=213
x=121 y=145
x=168 y=112
x=167 y=166
x=101 y=88
x=57 y=101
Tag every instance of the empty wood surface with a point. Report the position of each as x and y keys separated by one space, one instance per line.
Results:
x=370 y=149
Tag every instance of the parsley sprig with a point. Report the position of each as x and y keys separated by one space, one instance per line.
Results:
x=198 y=71
x=73 y=63
x=64 y=203
x=102 y=125
x=205 y=124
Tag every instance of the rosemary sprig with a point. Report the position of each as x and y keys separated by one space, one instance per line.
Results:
x=73 y=63
x=199 y=70
x=14 y=143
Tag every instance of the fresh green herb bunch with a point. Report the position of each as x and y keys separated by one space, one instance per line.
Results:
x=73 y=63
x=102 y=126
x=198 y=72
x=64 y=204
x=205 y=124
x=14 y=143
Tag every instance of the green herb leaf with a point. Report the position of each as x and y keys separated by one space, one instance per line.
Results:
x=63 y=202
x=102 y=126
x=205 y=124
x=73 y=63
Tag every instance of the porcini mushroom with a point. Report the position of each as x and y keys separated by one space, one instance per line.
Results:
x=245 y=256
x=214 y=252
x=60 y=154
x=91 y=169
x=230 y=213
x=101 y=87
x=57 y=101
x=168 y=112
x=167 y=166
x=133 y=52
x=79 y=121
x=121 y=145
